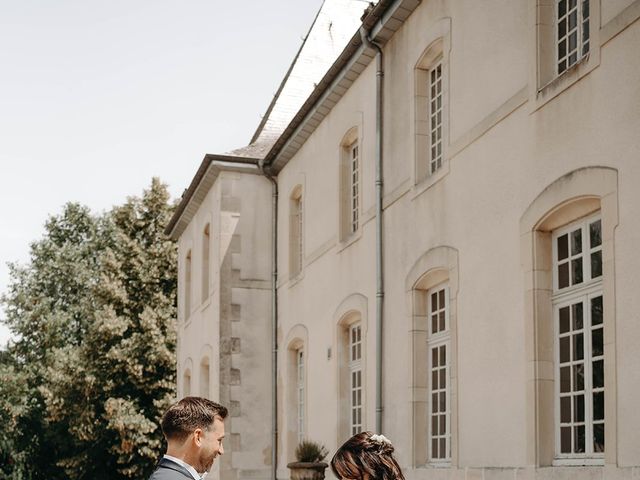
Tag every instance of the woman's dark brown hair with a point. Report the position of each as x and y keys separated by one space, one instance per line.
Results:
x=362 y=455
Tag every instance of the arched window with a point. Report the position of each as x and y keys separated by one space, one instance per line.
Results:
x=438 y=372
x=296 y=388
x=350 y=184
x=351 y=320
x=578 y=338
x=204 y=378
x=187 y=286
x=355 y=366
x=186 y=383
x=565 y=36
x=206 y=245
x=567 y=233
x=431 y=110
x=432 y=286
x=296 y=232
x=300 y=392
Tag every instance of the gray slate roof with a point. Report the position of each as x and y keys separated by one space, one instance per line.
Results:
x=382 y=20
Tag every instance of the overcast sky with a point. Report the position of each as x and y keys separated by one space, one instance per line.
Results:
x=97 y=97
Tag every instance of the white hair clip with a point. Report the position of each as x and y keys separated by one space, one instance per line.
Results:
x=380 y=439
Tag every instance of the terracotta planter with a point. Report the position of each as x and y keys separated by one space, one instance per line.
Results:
x=307 y=470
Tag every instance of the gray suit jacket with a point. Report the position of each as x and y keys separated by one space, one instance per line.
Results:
x=168 y=470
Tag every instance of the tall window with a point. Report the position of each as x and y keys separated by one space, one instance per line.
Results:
x=355 y=377
x=204 y=378
x=435 y=116
x=187 y=286
x=300 y=392
x=206 y=242
x=296 y=246
x=572 y=28
x=350 y=184
x=579 y=345
x=431 y=106
x=354 y=171
x=186 y=383
x=438 y=344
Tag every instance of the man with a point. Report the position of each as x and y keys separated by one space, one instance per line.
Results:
x=194 y=429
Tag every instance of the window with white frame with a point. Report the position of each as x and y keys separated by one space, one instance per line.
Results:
x=355 y=378
x=206 y=246
x=300 y=392
x=300 y=233
x=431 y=106
x=438 y=343
x=296 y=233
x=579 y=343
x=572 y=30
x=354 y=171
x=435 y=116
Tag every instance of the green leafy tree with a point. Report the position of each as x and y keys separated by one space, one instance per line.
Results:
x=93 y=366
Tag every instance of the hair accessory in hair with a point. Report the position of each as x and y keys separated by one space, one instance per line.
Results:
x=380 y=439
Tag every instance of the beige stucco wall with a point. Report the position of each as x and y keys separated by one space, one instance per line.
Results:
x=476 y=209
x=505 y=148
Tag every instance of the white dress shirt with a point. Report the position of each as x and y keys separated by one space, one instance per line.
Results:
x=189 y=468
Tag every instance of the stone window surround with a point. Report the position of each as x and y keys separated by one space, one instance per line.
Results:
x=574 y=195
x=296 y=232
x=186 y=378
x=297 y=338
x=206 y=372
x=188 y=285
x=544 y=82
x=439 y=48
x=434 y=267
x=204 y=379
x=206 y=261
x=351 y=310
x=351 y=137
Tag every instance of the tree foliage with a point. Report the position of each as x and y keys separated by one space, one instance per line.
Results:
x=84 y=385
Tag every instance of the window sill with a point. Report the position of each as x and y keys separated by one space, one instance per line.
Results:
x=435 y=465
x=578 y=462
x=350 y=240
x=565 y=80
x=426 y=183
x=295 y=279
x=205 y=304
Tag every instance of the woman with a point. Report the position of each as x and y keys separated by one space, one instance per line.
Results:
x=366 y=456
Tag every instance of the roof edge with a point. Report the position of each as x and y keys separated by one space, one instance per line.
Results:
x=376 y=15
x=222 y=162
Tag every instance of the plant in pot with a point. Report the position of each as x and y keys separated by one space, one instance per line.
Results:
x=309 y=463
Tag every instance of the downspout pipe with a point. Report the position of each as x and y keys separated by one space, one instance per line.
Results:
x=274 y=319
x=366 y=40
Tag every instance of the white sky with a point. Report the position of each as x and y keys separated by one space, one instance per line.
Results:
x=97 y=97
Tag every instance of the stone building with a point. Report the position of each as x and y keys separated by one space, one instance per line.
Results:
x=474 y=296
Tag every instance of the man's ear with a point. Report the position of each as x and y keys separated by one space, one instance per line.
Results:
x=197 y=437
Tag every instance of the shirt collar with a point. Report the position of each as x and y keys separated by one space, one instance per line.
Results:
x=189 y=468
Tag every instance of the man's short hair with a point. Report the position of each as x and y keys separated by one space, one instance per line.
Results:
x=187 y=415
